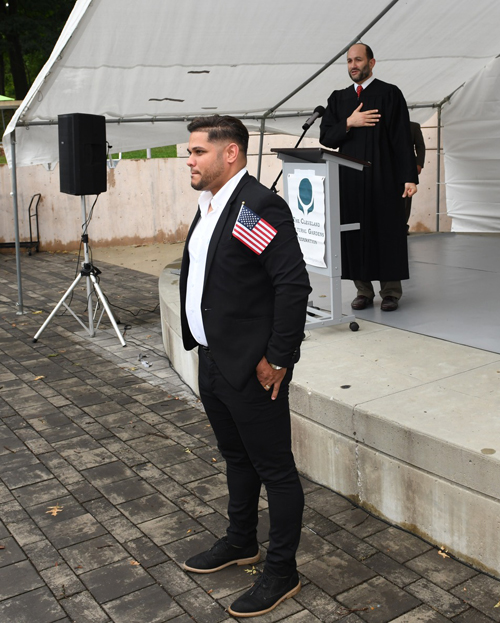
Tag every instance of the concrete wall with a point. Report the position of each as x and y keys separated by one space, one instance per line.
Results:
x=151 y=201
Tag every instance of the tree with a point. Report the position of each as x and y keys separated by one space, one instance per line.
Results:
x=29 y=30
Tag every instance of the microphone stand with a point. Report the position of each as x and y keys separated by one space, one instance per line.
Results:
x=273 y=187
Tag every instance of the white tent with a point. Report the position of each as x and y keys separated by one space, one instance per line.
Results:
x=149 y=66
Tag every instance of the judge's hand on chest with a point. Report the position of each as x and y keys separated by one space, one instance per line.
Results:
x=360 y=119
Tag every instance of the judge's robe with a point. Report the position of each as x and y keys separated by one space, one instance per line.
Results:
x=373 y=197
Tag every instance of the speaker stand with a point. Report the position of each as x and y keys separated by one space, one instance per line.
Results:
x=90 y=273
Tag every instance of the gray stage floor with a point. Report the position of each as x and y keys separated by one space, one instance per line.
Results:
x=453 y=292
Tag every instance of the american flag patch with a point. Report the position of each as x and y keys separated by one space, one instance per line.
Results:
x=252 y=230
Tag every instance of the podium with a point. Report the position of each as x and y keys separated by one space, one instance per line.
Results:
x=325 y=164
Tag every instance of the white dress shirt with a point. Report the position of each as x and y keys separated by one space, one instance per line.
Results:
x=198 y=249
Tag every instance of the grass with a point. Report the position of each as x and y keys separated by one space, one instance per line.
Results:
x=156 y=152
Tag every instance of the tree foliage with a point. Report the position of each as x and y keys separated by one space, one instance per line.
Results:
x=29 y=30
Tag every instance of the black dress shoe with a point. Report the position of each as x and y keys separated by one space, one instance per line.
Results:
x=267 y=593
x=221 y=555
x=361 y=302
x=389 y=303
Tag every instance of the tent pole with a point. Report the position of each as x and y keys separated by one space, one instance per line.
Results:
x=261 y=146
x=438 y=165
x=16 y=223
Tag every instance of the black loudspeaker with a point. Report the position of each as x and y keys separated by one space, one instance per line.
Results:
x=82 y=154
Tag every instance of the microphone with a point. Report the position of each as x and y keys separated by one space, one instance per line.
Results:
x=319 y=111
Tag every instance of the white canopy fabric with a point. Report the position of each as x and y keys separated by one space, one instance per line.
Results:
x=173 y=60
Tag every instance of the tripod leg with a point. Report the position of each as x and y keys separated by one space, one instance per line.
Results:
x=104 y=302
x=56 y=308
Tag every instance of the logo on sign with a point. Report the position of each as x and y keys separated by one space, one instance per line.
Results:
x=305 y=198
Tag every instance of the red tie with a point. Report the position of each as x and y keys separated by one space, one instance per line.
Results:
x=359 y=88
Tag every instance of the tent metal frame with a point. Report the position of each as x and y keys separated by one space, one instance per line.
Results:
x=270 y=113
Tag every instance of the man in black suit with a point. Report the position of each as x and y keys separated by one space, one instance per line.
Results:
x=244 y=291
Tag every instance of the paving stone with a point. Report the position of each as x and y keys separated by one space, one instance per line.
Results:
x=327 y=502
x=83 y=608
x=209 y=488
x=75 y=530
x=146 y=552
x=358 y=522
x=437 y=598
x=123 y=451
x=40 y=492
x=192 y=544
x=62 y=581
x=61 y=469
x=399 y=545
x=101 y=509
x=481 y=592
x=472 y=616
x=25 y=532
x=20 y=609
x=42 y=554
x=321 y=605
x=150 y=443
x=380 y=600
x=151 y=605
x=201 y=606
x=312 y=547
x=165 y=485
x=357 y=548
x=336 y=572
x=116 y=580
x=111 y=472
x=318 y=524
x=22 y=476
x=173 y=454
x=178 y=525
x=10 y=552
x=444 y=572
x=217 y=524
x=423 y=614
x=13 y=512
x=126 y=490
x=147 y=508
x=18 y=578
x=193 y=506
x=93 y=554
x=84 y=492
x=174 y=580
x=122 y=529
x=66 y=508
x=391 y=570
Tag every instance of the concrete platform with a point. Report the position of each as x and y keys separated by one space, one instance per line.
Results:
x=405 y=425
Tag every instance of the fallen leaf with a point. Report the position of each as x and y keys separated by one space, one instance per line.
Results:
x=187 y=450
x=53 y=355
x=2 y=546
x=54 y=510
x=188 y=531
x=214 y=460
x=497 y=605
x=37 y=312
x=39 y=378
x=251 y=571
x=135 y=563
x=443 y=554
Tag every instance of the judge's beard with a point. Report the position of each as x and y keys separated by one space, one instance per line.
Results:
x=364 y=73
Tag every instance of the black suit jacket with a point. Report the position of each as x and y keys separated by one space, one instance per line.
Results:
x=252 y=305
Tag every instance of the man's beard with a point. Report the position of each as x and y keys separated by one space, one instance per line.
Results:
x=209 y=176
x=363 y=74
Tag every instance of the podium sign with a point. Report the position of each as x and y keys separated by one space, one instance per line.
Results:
x=311 y=188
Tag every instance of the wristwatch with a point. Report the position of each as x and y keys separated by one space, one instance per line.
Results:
x=275 y=367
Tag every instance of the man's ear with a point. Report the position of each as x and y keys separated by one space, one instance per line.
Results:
x=372 y=62
x=232 y=152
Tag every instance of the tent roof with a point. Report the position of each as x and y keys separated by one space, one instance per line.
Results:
x=165 y=59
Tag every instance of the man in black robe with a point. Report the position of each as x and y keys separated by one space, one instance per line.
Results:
x=371 y=122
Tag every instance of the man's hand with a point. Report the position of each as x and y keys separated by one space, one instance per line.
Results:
x=360 y=119
x=269 y=377
x=410 y=189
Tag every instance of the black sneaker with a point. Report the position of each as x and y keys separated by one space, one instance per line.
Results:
x=267 y=593
x=220 y=555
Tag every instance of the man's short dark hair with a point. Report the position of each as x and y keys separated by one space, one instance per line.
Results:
x=222 y=128
x=369 y=51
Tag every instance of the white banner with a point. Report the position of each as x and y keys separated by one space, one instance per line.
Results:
x=306 y=197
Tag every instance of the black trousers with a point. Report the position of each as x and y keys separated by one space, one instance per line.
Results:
x=254 y=437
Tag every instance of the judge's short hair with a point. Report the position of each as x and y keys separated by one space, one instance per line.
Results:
x=222 y=128
x=369 y=51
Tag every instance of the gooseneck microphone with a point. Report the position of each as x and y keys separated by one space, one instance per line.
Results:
x=318 y=112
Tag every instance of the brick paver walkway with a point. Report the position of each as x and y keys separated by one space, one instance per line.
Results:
x=110 y=478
